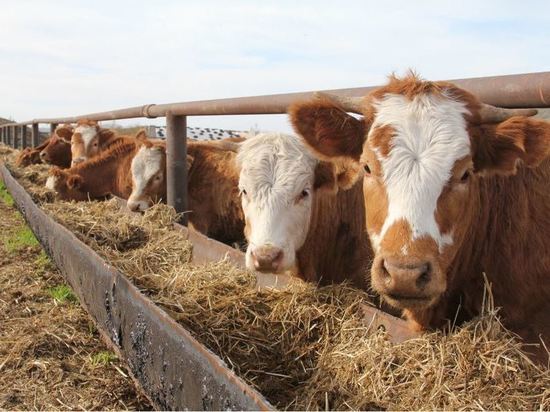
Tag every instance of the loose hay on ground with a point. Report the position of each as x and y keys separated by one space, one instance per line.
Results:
x=307 y=347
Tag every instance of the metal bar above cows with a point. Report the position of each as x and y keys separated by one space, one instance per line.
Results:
x=515 y=90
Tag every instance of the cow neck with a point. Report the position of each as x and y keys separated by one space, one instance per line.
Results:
x=504 y=235
x=215 y=206
x=337 y=245
x=110 y=172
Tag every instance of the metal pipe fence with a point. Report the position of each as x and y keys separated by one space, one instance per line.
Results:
x=529 y=90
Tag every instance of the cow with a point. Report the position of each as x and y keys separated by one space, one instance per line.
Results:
x=454 y=191
x=108 y=173
x=213 y=197
x=31 y=155
x=296 y=222
x=89 y=139
x=58 y=150
x=55 y=150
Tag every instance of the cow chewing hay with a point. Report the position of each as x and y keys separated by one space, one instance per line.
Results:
x=306 y=347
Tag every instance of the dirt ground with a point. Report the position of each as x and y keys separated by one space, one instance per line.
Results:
x=51 y=356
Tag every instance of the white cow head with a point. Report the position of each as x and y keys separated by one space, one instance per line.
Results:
x=278 y=180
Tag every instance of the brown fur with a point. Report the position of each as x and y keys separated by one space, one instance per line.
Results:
x=103 y=139
x=30 y=156
x=213 y=195
x=336 y=247
x=107 y=174
x=213 y=191
x=58 y=150
x=501 y=212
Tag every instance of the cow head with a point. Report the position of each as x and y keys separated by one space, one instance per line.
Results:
x=58 y=150
x=278 y=180
x=424 y=146
x=87 y=140
x=148 y=174
x=68 y=186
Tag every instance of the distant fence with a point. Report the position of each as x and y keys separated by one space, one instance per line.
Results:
x=516 y=91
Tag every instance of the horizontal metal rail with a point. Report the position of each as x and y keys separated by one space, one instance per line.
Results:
x=515 y=90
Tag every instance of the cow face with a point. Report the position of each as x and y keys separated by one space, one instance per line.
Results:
x=67 y=186
x=58 y=150
x=87 y=141
x=423 y=147
x=148 y=175
x=278 y=179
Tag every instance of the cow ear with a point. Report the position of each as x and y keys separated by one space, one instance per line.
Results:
x=104 y=134
x=328 y=129
x=65 y=133
x=141 y=136
x=499 y=149
x=74 y=182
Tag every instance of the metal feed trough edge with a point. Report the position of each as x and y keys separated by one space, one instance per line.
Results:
x=172 y=368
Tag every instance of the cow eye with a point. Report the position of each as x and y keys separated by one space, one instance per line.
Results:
x=367 y=169
x=95 y=144
x=304 y=194
x=465 y=176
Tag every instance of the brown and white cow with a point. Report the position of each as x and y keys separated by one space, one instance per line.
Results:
x=108 y=173
x=58 y=150
x=296 y=221
x=453 y=189
x=213 y=196
x=89 y=139
x=31 y=155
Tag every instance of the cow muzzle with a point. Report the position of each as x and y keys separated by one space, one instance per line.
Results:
x=267 y=258
x=408 y=283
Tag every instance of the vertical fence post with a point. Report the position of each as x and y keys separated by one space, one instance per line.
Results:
x=35 y=137
x=2 y=137
x=176 y=163
x=16 y=137
x=13 y=134
x=52 y=128
x=23 y=137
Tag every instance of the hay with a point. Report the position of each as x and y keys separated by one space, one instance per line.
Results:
x=307 y=347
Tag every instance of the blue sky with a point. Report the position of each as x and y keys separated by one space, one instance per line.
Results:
x=75 y=57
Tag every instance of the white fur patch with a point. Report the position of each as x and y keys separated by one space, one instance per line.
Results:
x=145 y=164
x=50 y=182
x=87 y=133
x=430 y=136
x=275 y=169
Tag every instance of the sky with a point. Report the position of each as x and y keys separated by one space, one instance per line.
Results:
x=65 y=58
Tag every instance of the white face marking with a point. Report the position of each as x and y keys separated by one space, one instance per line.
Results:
x=145 y=164
x=87 y=133
x=275 y=169
x=50 y=182
x=430 y=136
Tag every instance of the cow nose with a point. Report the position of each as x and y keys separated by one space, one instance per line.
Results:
x=42 y=155
x=77 y=160
x=267 y=258
x=406 y=277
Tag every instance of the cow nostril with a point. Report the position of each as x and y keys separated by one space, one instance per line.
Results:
x=42 y=154
x=424 y=277
x=385 y=273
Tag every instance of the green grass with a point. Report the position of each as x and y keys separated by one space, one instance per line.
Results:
x=62 y=293
x=103 y=358
x=43 y=262
x=5 y=195
x=20 y=239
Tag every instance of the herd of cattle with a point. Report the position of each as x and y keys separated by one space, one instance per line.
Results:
x=422 y=196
